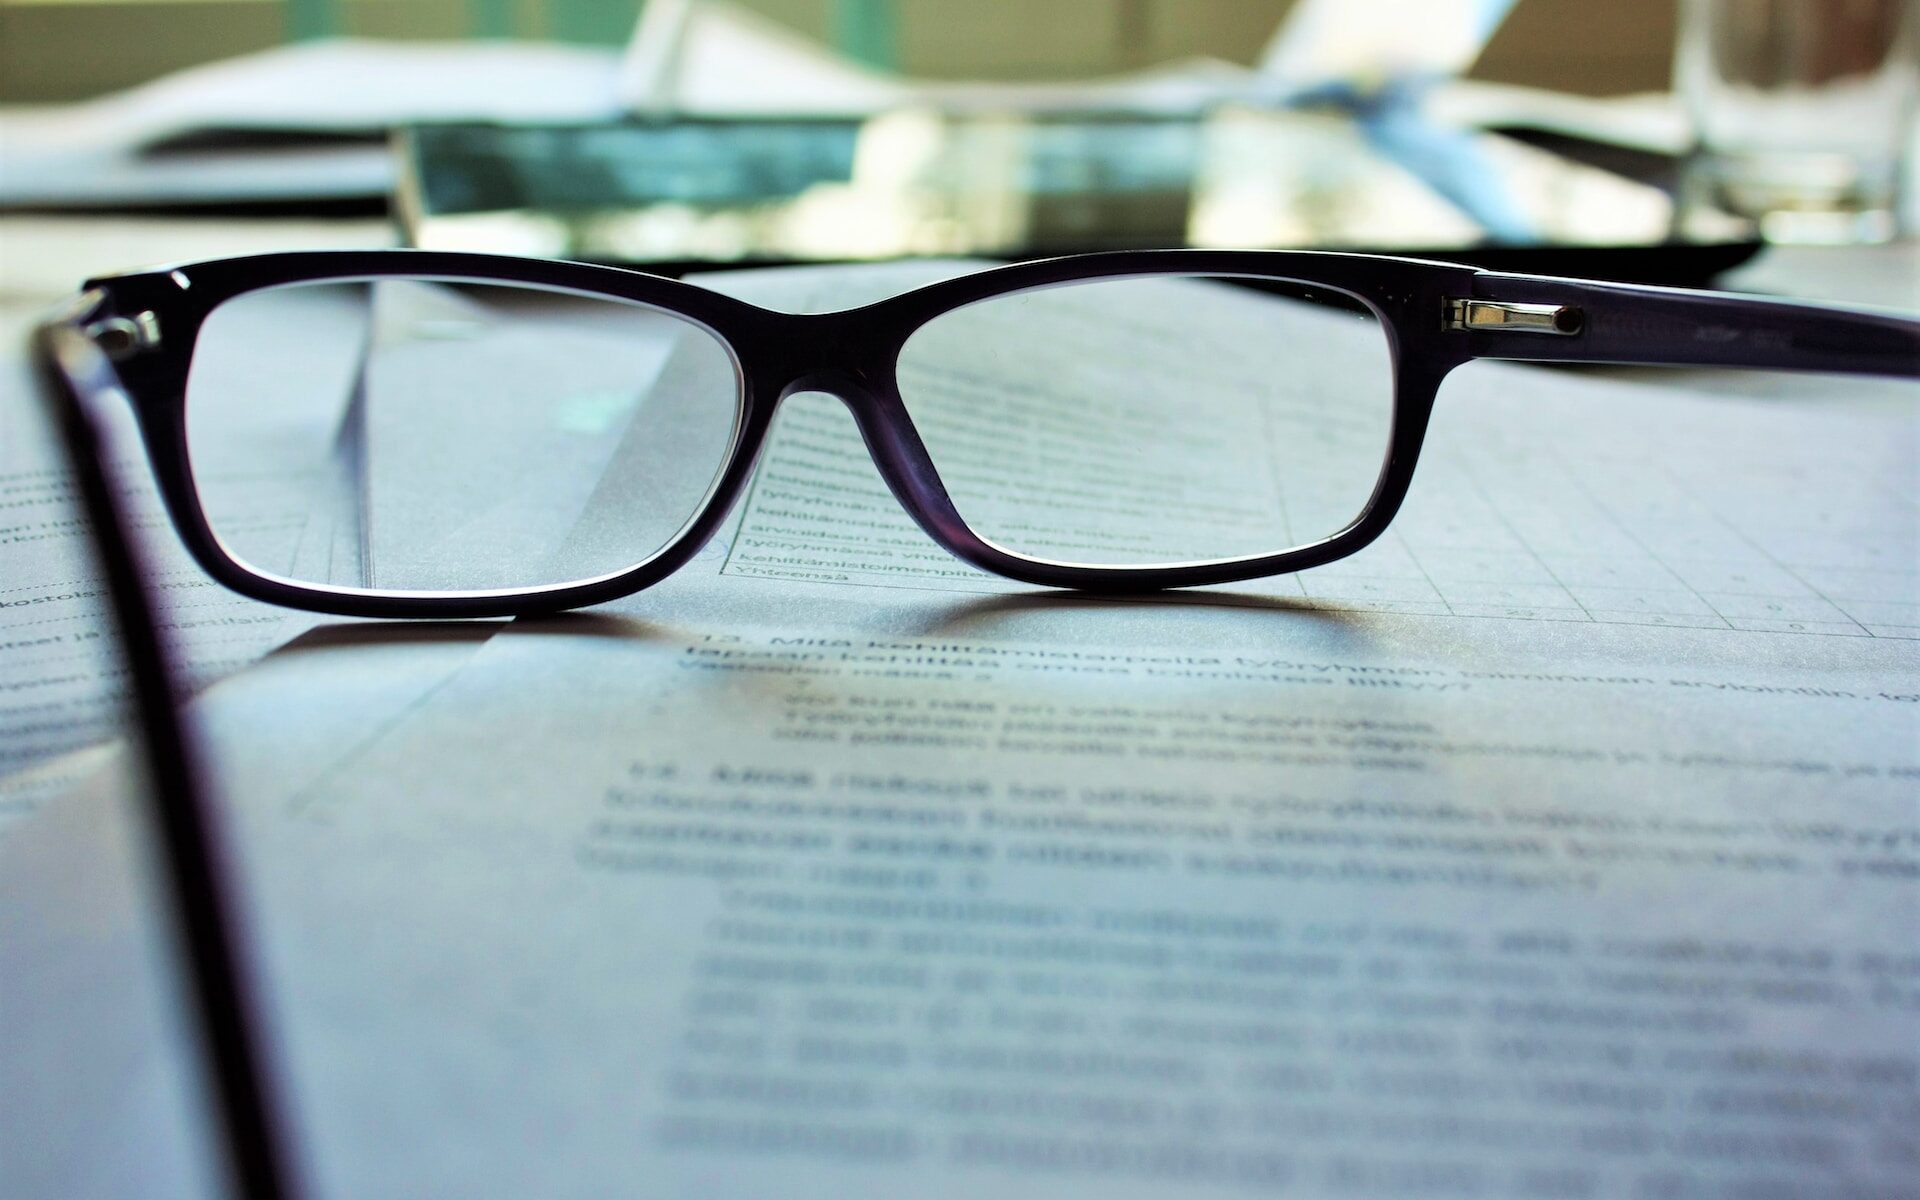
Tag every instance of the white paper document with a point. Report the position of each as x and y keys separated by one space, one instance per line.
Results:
x=1562 y=844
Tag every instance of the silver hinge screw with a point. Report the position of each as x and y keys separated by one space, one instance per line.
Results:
x=1499 y=316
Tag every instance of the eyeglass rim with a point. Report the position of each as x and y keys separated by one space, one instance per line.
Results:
x=853 y=353
x=734 y=431
x=870 y=336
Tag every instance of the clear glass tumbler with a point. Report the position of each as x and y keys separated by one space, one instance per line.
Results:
x=1803 y=113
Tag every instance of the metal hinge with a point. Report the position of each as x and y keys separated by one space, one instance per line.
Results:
x=1502 y=317
x=123 y=337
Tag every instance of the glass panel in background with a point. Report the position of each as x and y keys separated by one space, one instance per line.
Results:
x=1257 y=421
x=914 y=183
x=412 y=435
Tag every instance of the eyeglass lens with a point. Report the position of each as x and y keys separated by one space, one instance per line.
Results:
x=438 y=436
x=1217 y=419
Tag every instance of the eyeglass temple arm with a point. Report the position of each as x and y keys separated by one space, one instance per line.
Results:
x=69 y=369
x=1541 y=319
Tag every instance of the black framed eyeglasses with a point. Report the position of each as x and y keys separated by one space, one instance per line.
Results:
x=146 y=335
x=418 y=434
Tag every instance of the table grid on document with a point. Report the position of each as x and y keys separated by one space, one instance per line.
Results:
x=1490 y=534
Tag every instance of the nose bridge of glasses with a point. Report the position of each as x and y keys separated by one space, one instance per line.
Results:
x=837 y=354
x=897 y=454
x=816 y=352
x=843 y=385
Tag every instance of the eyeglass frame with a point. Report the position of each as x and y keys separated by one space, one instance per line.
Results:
x=74 y=360
x=1435 y=316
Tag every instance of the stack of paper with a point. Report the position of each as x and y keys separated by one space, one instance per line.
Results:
x=1561 y=844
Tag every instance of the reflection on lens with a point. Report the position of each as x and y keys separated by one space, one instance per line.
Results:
x=414 y=435
x=1146 y=421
